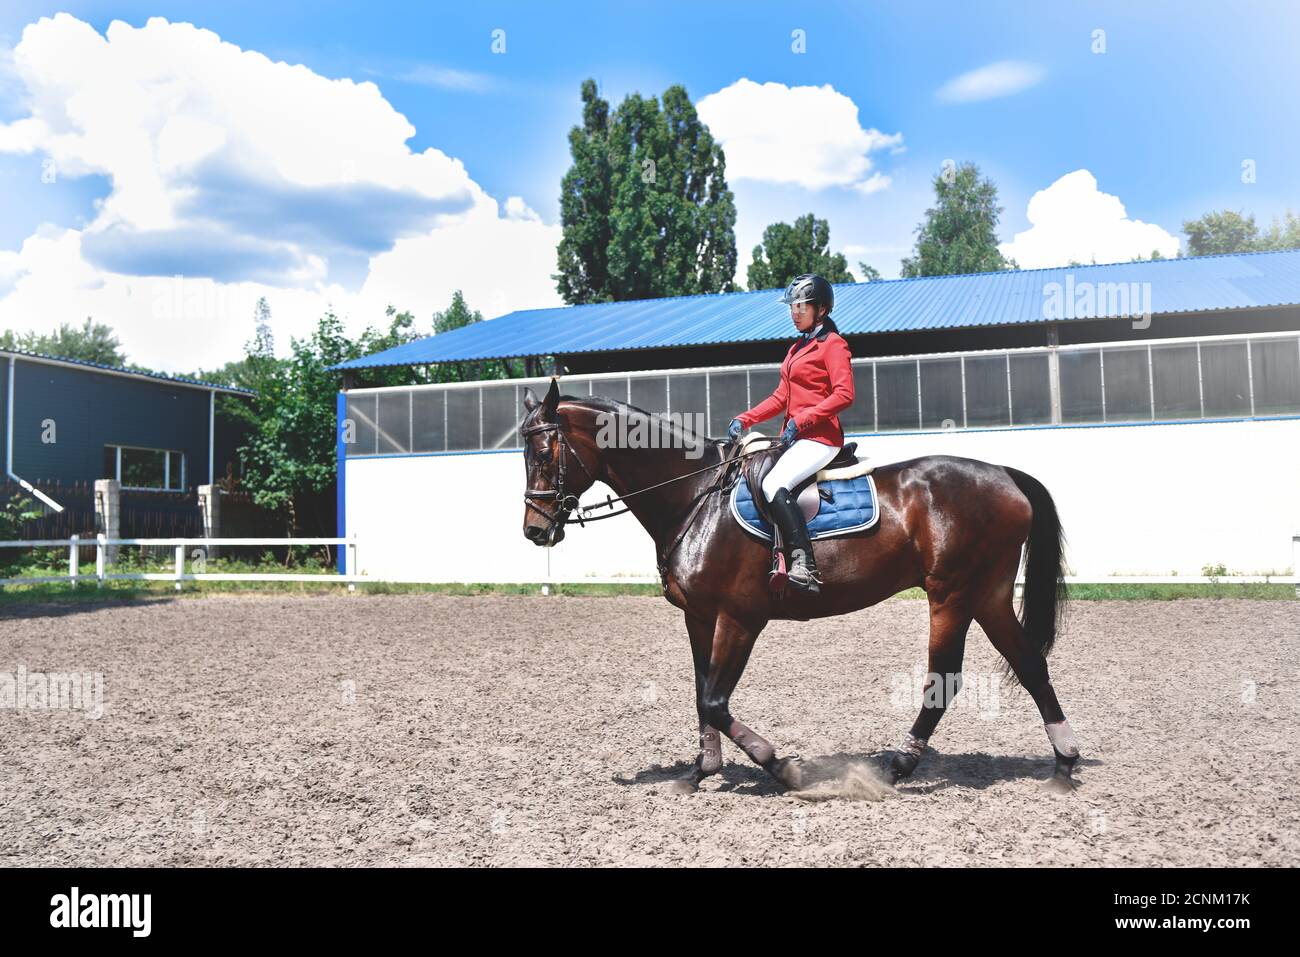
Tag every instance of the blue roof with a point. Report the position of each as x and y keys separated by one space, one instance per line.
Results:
x=120 y=370
x=1200 y=284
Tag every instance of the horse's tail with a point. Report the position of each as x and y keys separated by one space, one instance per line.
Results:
x=1045 y=594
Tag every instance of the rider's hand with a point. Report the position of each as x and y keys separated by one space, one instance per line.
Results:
x=790 y=433
x=735 y=429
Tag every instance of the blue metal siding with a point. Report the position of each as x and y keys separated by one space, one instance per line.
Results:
x=90 y=410
x=1208 y=283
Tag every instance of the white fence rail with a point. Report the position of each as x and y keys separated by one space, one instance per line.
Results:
x=102 y=544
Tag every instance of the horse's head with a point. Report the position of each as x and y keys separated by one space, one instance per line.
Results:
x=559 y=467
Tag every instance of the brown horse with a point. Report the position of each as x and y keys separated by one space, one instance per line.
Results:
x=951 y=526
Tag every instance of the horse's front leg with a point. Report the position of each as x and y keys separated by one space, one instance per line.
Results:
x=733 y=640
x=709 y=759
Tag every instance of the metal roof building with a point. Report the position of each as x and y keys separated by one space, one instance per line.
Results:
x=1246 y=292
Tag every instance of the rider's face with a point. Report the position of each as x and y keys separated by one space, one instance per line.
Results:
x=804 y=315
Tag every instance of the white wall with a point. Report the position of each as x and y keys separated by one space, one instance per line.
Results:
x=1150 y=499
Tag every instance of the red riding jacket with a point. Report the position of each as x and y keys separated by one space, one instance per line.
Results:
x=816 y=385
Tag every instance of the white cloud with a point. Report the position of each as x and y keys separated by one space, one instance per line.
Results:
x=250 y=177
x=988 y=82
x=806 y=136
x=1072 y=220
x=427 y=74
x=501 y=264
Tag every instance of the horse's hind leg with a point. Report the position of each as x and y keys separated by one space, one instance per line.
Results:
x=733 y=640
x=1030 y=667
x=949 y=622
x=709 y=759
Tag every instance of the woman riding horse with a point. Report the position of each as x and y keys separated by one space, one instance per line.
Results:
x=816 y=385
x=953 y=526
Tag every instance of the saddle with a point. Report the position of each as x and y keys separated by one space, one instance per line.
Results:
x=846 y=474
x=808 y=494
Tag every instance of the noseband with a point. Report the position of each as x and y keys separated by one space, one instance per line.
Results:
x=564 y=502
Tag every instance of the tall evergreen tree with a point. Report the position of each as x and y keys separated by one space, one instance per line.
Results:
x=959 y=234
x=645 y=207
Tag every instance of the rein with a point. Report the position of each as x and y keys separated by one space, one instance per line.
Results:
x=562 y=508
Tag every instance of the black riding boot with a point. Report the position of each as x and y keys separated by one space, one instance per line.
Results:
x=794 y=533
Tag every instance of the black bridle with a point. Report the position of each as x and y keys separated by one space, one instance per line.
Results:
x=560 y=516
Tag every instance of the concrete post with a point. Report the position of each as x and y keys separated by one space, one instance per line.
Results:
x=108 y=513
x=210 y=509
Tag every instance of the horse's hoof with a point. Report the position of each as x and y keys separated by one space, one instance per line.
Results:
x=686 y=785
x=902 y=766
x=789 y=771
x=1060 y=784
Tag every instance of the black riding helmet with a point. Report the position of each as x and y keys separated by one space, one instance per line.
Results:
x=810 y=288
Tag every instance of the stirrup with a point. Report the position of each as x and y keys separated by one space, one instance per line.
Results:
x=813 y=582
x=779 y=575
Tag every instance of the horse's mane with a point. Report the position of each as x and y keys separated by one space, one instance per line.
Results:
x=616 y=407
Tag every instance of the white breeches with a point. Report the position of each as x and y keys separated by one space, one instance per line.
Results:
x=796 y=463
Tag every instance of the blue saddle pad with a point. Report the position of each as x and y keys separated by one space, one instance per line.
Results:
x=853 y=509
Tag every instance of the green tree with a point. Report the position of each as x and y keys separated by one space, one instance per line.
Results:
x=869 y=273
x=1283 y=235
x=788 y=251
x=1226 y=231
x=258 y=362
x=645 y=209
x=289 y=455
x=90 y=342
x=959 y=234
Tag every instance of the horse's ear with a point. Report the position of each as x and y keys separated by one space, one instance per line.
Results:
x=530 y=400
x=552 y=397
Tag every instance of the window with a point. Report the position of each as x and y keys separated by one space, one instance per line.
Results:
x=762 y=383
x=1176 y=382
x=463 y=424
x=896 y=398
x=650 y=394
x=428 y=421
x=160 y=469
x=1128 y=387
x=729 y=392
x=1275 y=369
x=690 y=399
x=359 y=434
x=987 y=391
x=503 y=412
x=941 y=400
x=1226 y=379
x=1081 y=386
x=1031 y=390
x=394 y=433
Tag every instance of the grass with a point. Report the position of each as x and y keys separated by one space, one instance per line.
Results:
x=87 y=591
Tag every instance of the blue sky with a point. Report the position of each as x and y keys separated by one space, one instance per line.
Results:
x=1162 y=120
